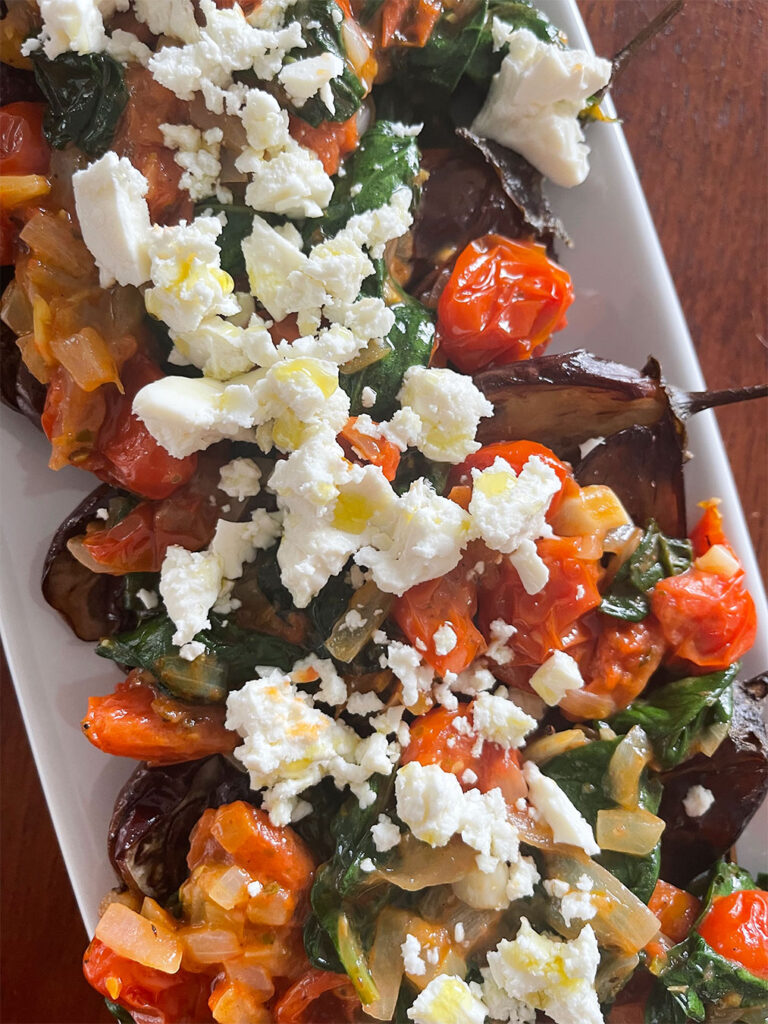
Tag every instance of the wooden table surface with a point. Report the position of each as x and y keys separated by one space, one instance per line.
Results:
x=695 y=109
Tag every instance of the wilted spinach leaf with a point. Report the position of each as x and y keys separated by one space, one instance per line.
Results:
x=386 y=159
x=239 y=225
x=655 y=558
x=676 y=715
x=457 y=47
x=322 y=34
x=118 y=1012
x=415 y=466
x=345 y=902
x=232 y=654
x=86 y=95
x=694 y=981
x=580 y=774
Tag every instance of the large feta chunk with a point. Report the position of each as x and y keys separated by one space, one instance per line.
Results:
x=447 y=999
x=189 y=585
x=550 y=974
x=450 y=408
x=175 y=18
x=534 y=102
x=305 y=78
x=508 y=508
x=429 y=802
x=559 y=674
x=222 y=349
x=499 y=720
x=114 y=218
x=68 y=25
x=567 y=823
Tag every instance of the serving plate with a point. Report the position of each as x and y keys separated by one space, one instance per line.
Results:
x=625 y=308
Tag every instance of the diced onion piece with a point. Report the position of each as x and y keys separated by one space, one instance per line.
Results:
x=250 y=974
x=622 y=782
x=635 y=832
x=547 y=747
x=130 y=935
x=594 y=510
x=416 y=866
x=17 y=189
x=719 y=561
x=204 y=946
x=52 y=239
x=374 y=352
x=622 y=921
x=152 y=910
x=34 y=362
x=87 y=358
x=201 y=680
x=229 y=888
x=16 y=309
x=709 y=740
x=367 y=609
x=386 y=963
x=622 y=541
x=477 y=927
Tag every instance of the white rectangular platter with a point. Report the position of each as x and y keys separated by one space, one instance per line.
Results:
x=624 y=298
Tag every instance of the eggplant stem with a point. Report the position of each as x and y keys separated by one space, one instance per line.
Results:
x=647 y=32
x=696 y=401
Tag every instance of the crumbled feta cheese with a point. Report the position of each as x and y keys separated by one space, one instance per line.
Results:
x=148 y=598
x=501 y=721
x=254 y=888
x=237 y=543
x=367 y=865
x=305 y=78
x=240 y=478
x=447 y=1000
x=550 y=974
x=498 y=650
x=534 y=102
x=188 y=282
x=410 y=951
x=559 y=674
x=368 y=397
x=102 y=513
x=363 y=703
x=332 y=689
x=502 y=1007
x=192 y=650
x=68 y=25
x=444 y=639
x=386 y=835
x=508 y=508
x=175 y=18
x=449 y=406
x=114 y=218
x=222 y=349
x=189 y=585
x=567 y=824
x=197 y=153
x=290 y=745
x=458 y=932
x=530 y=566
x=426 y=542
x=126 y=47
x=468 y=777
x=698 y=801
x=416 y=677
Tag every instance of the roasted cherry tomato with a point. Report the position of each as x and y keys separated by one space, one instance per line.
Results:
x=440 y=737
x=151 y=996
x=547 y=621
x=137 y=721
x=676 y=910
x=709 y=529
x=367 y=448
x=736 y=927
x=23 y=147
x=503 y=301
x=331 y=140
x=408 y=22
x=450 y=601
x=516 y=453
x=319 y=997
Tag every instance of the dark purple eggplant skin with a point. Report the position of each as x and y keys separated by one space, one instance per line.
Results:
x=155 y=812
x=91 y=603
x=18 y=85
x=736 y=774
x=644 y=466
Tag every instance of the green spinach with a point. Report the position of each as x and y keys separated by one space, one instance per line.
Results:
x=231 y=656
x=86 y=95
x=655 y=558
x=322 y=34
x=239 y=225
x=118 y=1012
x=581 y=775
x=694 y=981
x=678 y=714
x=457 y=48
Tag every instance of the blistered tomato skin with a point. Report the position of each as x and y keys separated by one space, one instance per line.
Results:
x=503 y=301
x=23 y=149
x=736 y=927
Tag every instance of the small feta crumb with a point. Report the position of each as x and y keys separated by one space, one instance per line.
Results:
x=189 y=585
x=240 y=478
x=254 y=888
x=192 y=650
x=468 y=777
x=411 y=953
x=367 y=865
x=102 y=513
x=363 y=703
x=498 y=650
x=444 y=639
x=368 y=397
x=501 y=721
x=559 y=674
x=458 y=932
x=567 y=823
x=698 y=801
x=386 y=835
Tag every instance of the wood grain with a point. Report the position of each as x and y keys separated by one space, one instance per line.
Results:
x=695 y=106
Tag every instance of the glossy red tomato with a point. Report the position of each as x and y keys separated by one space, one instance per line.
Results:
x=23 y=147
x=736 y=927
x=425 y=608
x=434 y=739
x=516 y=453
x=136 y=721
x=378 y=451
x=547 y=621
x=151 y=996
x=707 y=620
x=331 y=140
x=319 y=997
x=503 y=300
